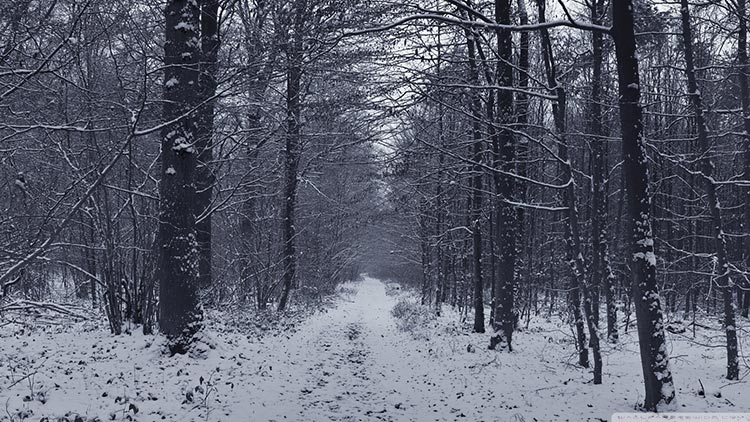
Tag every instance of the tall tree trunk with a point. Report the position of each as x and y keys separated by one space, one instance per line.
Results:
x=522 y=152
x=654 y=358
x=706 y=169
x=180 y=311
x=204 y=182
x=492 y=132
x=601 y=270
x=476 y=186
x=504 y=154
x=442 y=285
x=745 y=101
x=493 y=259
x=292 y=152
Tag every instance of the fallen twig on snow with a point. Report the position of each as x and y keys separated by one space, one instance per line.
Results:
x=25 y=305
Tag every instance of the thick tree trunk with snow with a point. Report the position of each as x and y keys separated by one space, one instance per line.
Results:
x=654 y=357
x=180 y=310
x=504 y=151
x=721 y=273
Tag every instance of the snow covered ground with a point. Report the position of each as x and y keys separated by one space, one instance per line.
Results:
x=351 y=363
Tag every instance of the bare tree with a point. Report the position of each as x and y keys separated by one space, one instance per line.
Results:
x=654 y=358
x=601 y=271
x=293 y=144
x=722 y=271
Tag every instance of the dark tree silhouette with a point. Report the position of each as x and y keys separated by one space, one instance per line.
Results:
x=654 y=358
x=180 y=310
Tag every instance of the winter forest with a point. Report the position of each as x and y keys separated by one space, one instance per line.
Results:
x=373 y=210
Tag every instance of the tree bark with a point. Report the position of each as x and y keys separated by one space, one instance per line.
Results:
x=654 y=358
x=180 y=311
x=744 y=76
x=503 y=157
x=292 y=152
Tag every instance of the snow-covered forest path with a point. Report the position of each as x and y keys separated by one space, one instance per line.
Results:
x=351 y=363
x=354 y=361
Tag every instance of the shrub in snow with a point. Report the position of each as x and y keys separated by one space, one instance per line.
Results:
x=392 y=289
x=410 y=314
